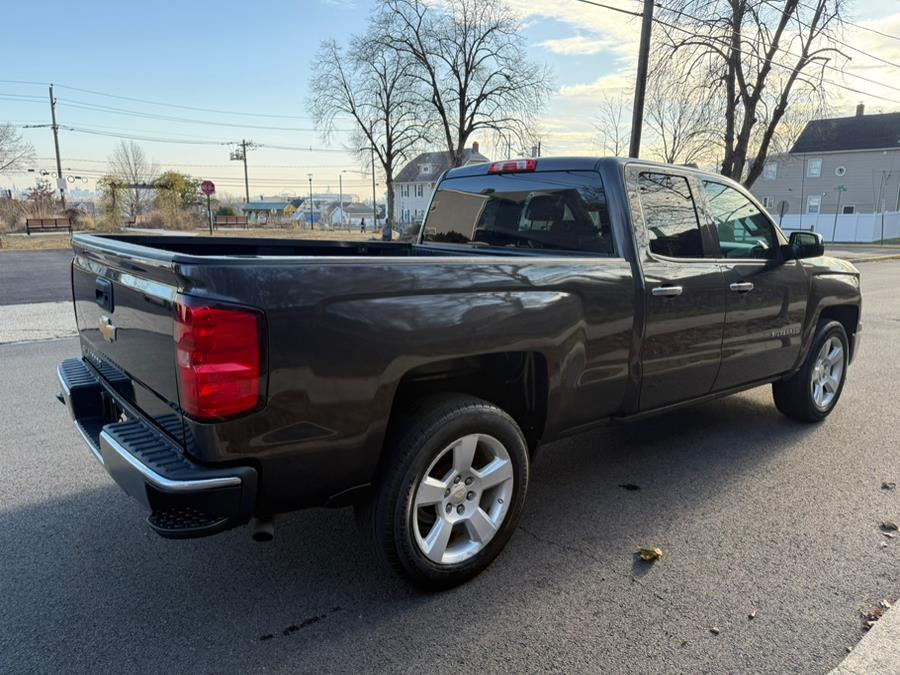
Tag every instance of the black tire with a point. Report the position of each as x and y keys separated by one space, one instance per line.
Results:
x=794 y=397
x=416 y=442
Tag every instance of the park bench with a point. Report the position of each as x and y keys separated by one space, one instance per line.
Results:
x=47 y=225
x=231 y=221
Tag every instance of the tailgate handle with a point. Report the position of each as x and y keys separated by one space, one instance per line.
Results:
x=103 y=293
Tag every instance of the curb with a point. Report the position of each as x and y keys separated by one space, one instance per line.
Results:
x=875 y=258
x=878 y=651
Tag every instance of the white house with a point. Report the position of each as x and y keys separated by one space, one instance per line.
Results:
x=415 y=182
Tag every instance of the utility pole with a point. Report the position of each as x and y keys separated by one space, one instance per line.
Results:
x=640 y=85
x=242 y=155
x=246 y=179
x=311 y=226
x=60 y=181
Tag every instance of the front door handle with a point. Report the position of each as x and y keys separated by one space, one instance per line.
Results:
x=741 y=286
x=667 y=291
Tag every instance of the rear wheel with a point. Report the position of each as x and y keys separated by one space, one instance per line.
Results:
x=813 y=392
x=451 y=491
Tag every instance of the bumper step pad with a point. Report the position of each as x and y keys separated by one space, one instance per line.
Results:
x=185 y=499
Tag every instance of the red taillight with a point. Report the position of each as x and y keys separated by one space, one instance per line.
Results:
x=513 y=166
x=218 y=357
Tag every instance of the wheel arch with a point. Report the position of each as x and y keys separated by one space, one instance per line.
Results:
x=515 y=381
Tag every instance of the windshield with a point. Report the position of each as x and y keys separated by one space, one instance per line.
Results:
x=559 y=210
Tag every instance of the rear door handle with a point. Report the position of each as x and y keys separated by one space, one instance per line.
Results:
x=741 y=286
x=667 y=291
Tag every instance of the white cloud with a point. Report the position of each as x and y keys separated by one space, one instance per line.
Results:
x=577 y=44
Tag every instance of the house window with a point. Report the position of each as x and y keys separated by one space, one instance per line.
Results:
x=770 y=172
x=813 y=203
x=814 y=168
x=419 y=190
x=425 y=169
x=847 y=209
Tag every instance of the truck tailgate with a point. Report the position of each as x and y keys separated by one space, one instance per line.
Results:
x=125 y=310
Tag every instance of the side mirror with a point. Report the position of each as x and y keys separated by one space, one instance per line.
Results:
x=806 y=245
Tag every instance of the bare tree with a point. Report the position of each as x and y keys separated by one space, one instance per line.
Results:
x=613 y=122
x=473 y=65
x=15 y=152
x=373 y=86
x=130 y=165
x=759 y=54
x=680 y=110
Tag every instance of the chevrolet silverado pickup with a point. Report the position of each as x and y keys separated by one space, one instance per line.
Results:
x=223 y=381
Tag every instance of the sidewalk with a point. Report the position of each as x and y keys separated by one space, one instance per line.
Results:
x=878 y=651
x=863 y=252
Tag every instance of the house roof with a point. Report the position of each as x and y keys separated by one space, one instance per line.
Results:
x=265 y=206
x=861 y=132
x=439 y=161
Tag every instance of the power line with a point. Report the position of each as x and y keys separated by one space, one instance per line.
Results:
x=84 y=105
x=156 y=139
x=164 y=105
x=610 y=7
x=836 y=40
x=727 y=43
x=860 y=26
x=184 y=107
x=261 y=166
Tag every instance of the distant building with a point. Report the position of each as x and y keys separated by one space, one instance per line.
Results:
x=270 y=212
x=841 y=178
x=350 y=215
x=415 y=182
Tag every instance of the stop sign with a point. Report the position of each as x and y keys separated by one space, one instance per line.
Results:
x=207 y=187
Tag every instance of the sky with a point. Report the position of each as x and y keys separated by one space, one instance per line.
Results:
x=255 y=59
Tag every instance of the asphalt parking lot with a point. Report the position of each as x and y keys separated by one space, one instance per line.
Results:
x=754 y=513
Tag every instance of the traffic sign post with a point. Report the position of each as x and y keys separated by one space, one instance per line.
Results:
x=207 y=187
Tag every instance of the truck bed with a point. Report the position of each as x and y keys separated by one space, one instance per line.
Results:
x=173 y=247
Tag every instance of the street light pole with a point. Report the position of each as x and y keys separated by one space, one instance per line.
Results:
x=341 y=191
x=311 y=226
x=374 y=201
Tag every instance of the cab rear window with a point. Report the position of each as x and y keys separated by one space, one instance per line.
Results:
x=552 y=210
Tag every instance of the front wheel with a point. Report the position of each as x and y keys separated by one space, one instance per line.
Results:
x=811 y=393
x=451 y=491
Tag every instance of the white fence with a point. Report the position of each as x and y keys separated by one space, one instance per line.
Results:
x=860 y=227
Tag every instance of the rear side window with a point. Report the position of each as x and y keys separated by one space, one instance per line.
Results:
x=551 y=210
x=670 y=215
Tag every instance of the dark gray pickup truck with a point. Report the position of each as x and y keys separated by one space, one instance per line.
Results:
x=225 y=380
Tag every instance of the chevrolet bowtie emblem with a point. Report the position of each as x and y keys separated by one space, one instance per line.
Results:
x=107 y=330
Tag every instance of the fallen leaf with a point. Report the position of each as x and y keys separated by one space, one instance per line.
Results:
x=872 y=615
x=869 y=624
x=884 y=604
x=715 y=630
x=889 y=535
x=886 y=485
x=650 y=554
x=752 y=615
x=849 y=649
x=889 y=525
